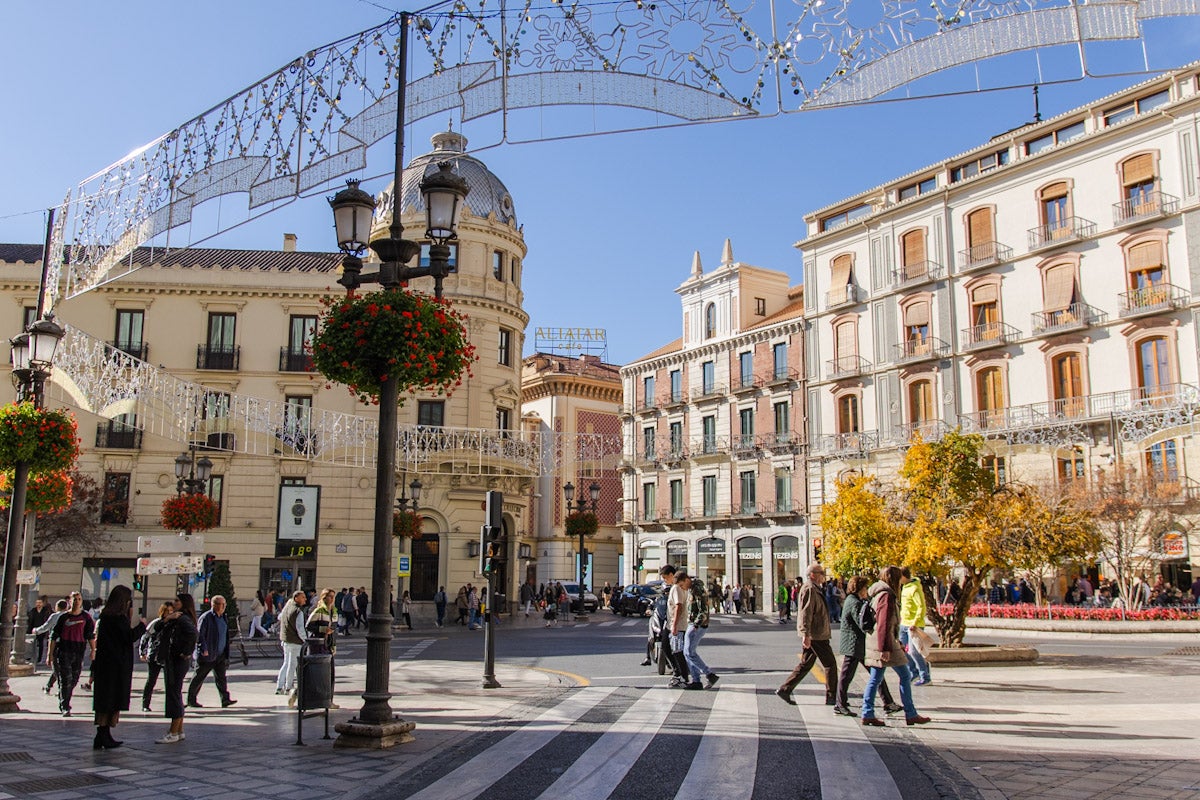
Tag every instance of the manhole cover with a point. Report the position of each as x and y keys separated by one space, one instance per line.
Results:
x=6 y=757
x=53 y=784
x=1185 y=651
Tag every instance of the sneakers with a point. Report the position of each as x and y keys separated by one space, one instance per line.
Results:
x=842 y=711
x=922 y=681
x=170 y=738
x=146 y=708
x=694 y=685
x=292 y=700
x=646 y=663
x=785 y=696
x=892 y=708
x=712 y=679
x=228 y=703
x=677 y=683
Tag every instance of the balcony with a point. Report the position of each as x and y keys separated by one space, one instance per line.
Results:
x=847 y=444
x=709 y=446
x=139 y=350
x=1157 y=298
x=118 y=437
x=989 y=335
x=781 y=376
x=1075 y=317
x=297 y=439
x=916 y=350
x=1096 y=407
x=983 y=255
x=291 y=361
x=745 y=446
x=846 y=367
x=708 y=393
x=223 y=358
x=780 y=508
x=1056 y=234
x=1152 y=205
x=673 y=400
x=782 y=443
x=921 y=272
x=847 y=295
x=929 y=430
x=746 y=384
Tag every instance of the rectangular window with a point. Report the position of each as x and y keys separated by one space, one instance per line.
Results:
x=1116 y=116
x=28 y=317
x=1071 y=469
x=1060 y=136
x=503 y=420
x=746 y=424
x=783 y=489
x=709 y=426
x=216 y=492
x=749 y=503
x=648 y=391
x=301 y=331
x=677 y=499
x=779 y=354
x=114 y=506
x=914 y=189
x=707 y=377
x=297 y=422
x=746 y=369
x=648 y=443
x=222 y=329
x=424 y=259
x=649 y=500
x=516 y=272
x=996 y=466
x=676 y=386
x=782 y=421
x=676 y=438
x=129 y=332
x=979 y=165
x=498 y=265
x=710 y=495
x=431 y=413
x=504 y=352
x=760 y=306
x=844 y=217
x=216 y=406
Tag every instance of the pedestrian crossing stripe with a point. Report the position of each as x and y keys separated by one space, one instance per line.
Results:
x=732 y=721
x=416 y=649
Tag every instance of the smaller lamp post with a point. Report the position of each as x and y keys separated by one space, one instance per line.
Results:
x=403 y=506
x=581 y=505
x=197 y=472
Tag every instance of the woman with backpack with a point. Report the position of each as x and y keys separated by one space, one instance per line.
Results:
x=858 y=622
x=883 y=648
x=113 y=662
x=148 y=651
x=175 y=656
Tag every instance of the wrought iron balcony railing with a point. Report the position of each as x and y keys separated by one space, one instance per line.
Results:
x=708 y=391
x=1074 y=317
x=118 y=437
x=984 y=254
x=781 y=375
x=847 y=443
x=223 y=358
x=1065 y=231
x=846 y=367
x=746 y=383
x=1151 y=205
x=988 y=335
x=916 y=274
x=1050 y=413
x=845 y=296
x=929 y=430
x=139 y=350
x=1154 y=299
x=291 y=361
x=915 y=350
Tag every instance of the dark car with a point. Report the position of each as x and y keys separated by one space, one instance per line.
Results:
x=636 y=599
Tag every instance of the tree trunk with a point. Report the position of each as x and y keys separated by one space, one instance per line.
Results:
x=952 y=627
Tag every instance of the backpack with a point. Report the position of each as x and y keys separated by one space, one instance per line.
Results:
x=866 y=616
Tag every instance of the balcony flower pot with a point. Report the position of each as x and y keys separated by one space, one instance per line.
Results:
x=581 y=523
x=189 y=512
x=46 y=440
x=421 y=340
x=46 y=492
x=406 y=525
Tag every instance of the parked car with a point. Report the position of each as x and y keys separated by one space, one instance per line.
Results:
x=637 y=599
x=591 y=603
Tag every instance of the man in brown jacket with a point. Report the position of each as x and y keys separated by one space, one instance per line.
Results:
x=812 y=626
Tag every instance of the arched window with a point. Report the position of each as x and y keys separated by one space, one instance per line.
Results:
x=841 y=285
x=424 y=581
x=1067 y=376
x=913 y=261
x=989 y=395
x=710 y=321
x=1055 y=201
x=1138 y=184
x=916 y=323
x=847 y=413
x=920 y=401
x=845 y=344
x=985 y=311
x=1154 y=365
x=981 y=234
x=1060 y=290
x=1162 y=462
x=1146 y=265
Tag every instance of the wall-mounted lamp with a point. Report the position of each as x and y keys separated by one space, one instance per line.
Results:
x=473 y=549
x=524 y=551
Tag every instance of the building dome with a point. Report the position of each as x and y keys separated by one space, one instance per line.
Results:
x=487 y=195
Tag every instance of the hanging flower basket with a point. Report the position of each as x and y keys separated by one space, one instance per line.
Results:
x=189 y=512
x=584 y=523
x=47 y=440
x=46 y=492
x=406 y=525
x=419 y=339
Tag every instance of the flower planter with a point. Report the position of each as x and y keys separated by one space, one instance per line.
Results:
x=46 y=492
x=44 y=439
x=189 y=512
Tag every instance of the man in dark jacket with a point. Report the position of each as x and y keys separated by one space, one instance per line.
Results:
x=212 y=653
x=38 y=615
x=814 y=630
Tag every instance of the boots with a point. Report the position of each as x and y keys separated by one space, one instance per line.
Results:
x=104 y=739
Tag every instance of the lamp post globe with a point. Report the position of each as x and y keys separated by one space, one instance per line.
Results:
x=444 y=193
x=353 y=210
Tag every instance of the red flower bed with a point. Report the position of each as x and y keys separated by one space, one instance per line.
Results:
x=1029 y=611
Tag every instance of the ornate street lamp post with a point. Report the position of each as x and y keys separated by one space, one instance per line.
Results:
x=197 y=472
x=32 y=357
x=581 y=505
x=443 y=192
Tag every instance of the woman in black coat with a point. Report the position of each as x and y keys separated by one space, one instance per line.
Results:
x=852 y=646
x=175 y=654
x=112 y=665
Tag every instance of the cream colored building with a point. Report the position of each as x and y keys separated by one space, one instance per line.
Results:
x=575 y=395
x=1039 y=289
x=714 y=435
x=236 y=323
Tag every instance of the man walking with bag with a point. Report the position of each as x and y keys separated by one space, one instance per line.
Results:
x=814 y=630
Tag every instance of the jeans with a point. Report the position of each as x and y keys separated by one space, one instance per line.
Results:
x=876 y=677
x=441 y=613
x=153 y=668
x=475 y=620
x=918 y=667
x=695 y=663
x=291 y=662
x=849 y=667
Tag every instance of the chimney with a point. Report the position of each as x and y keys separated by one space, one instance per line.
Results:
x=289 y=243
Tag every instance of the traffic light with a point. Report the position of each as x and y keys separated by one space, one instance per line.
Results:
x=640 y=565
x=139 y=583
x=491 y=546
x=210 y=561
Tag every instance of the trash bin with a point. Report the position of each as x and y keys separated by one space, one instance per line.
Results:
x=315 y=689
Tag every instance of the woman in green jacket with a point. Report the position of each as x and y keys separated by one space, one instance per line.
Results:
x=852 y=647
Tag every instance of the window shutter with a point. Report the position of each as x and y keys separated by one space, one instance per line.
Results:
x=842 y=267
x=1139 y=169
x=1060 y=287
x=916 y=314
x=979 y=227
x=988 y=293
x=1146 y=255
x=846 y=345
x=914 y=249
x=1055 y=190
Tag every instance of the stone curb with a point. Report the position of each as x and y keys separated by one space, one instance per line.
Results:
x=971 y=656
x=1083 y=626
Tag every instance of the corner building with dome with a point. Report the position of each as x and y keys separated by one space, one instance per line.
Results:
x=237 y=323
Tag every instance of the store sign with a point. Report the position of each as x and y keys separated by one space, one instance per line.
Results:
x=1174 y=545
x=712 y=546
x=750 y=555
x=785 y=555
x=677 y=548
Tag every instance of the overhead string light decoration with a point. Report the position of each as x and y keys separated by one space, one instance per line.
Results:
x=297 y=131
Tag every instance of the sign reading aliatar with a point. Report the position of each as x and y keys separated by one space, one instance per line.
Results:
x=593 y=341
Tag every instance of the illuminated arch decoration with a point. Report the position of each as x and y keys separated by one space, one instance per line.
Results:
x=502 y=65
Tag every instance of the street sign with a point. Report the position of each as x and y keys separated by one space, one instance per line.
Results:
x=27 y=577
x=193 y=543
x=169 y=564
x=402 y=571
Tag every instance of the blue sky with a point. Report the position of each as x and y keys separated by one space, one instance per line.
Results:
x=611 y=221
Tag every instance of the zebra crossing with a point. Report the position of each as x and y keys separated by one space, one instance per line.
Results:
x=718 y=619
x=617 y=742
x=414 y=650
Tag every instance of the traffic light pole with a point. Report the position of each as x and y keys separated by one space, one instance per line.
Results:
x=489 y=640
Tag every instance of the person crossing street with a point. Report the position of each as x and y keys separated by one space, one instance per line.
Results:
x=814 y=630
